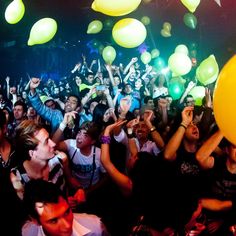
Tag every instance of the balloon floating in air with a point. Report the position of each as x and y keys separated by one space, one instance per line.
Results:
x=115 y=7
x=129 y=33
x=191 y=5
x=94 y=27
x=14 y=12
x=42 y=31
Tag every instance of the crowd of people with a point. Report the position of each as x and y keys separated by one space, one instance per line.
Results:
x=107 y=151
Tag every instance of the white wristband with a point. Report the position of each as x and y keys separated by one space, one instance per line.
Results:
x=129 y=130
x=62 y=126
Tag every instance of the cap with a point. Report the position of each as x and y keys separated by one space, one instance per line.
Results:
x=45 y=99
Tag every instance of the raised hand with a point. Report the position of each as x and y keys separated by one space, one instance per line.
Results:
x=187 y=115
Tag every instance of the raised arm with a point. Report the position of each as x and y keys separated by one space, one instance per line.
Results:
x=154 y=133
x=203 y=155
x=123 y=181
x=175 y=141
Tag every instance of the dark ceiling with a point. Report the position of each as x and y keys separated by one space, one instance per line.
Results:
x=214 y=34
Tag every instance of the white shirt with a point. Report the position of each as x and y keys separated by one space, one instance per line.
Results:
x=83 y=224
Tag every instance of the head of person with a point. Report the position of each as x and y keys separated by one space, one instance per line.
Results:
x=138 y=83
x=127 y=89
x=92 y=106
x=189 y=101
x=33 y=141
x=117 y=80
x=79 y=79
x=24 y=95
x=230 y=150
x=141 y=130
x=31 y=113
x=89 y=78
x=72 y=103
x=87 y=135
x=19 y=110
x=191 y=133
x=8 y=114
x=49 y=102
x=48 y=207
x=148 y=101
x=100 y=113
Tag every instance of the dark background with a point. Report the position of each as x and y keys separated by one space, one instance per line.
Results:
x=214 y=34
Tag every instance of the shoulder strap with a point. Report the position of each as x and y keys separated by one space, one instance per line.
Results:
x=94 y=166
x=73 y=154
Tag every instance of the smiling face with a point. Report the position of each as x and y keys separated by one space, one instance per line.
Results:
x=141 y=130
x=83 y=139
x=71 y=104
x=55 y=218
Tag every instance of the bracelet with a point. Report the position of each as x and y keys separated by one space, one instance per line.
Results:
x=105 y=139
x=62 y=126
x=130 y=135
x=182 y=125
x=152 y=129
x=130 y=130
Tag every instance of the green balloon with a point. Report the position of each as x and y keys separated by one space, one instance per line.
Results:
x=108 y=23
x=190 y=20
x=94 y=27
x=146 y=57
x=198 y=93
x=176 y=89
x=42 y=31
x=155 y=53
x=145 y=20
x=208 y=70
x=109 y=54
x=14 y=12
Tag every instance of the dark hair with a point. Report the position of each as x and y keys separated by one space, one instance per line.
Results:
x=38 y=190
x=21 y=103
x=98 y=112
x=92 y=129
x=78 y=99
x=2 y=119
x=147 y=98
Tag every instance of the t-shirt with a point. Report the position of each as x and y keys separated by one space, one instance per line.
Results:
x=82 y=166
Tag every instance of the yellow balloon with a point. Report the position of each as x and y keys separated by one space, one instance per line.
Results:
x=115 y=7
x=167 y=26
x=14 y=12
x=224 y=100
x=109 y=54
x=94 y=27
x=145 y=20
x=179 y=63
x=191 y=4
x=42 y=31
x=165 y=33
x=181 y=48
x=129 y=33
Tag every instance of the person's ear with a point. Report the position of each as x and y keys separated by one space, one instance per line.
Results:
x=31 y=153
